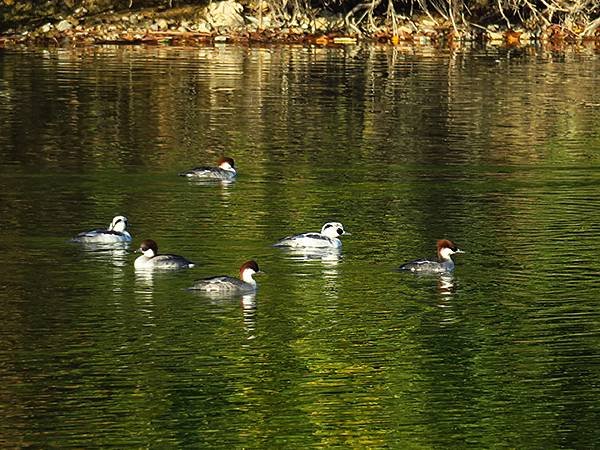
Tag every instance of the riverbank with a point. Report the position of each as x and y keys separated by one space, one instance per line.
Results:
x=230 y=21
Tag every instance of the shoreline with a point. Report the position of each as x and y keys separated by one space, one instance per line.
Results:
x=228 y=22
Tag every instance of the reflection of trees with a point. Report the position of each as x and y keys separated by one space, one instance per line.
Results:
x=211 y=104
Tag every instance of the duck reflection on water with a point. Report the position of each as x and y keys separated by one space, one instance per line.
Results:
x=223 y=187
x=116 y=253
x=446 y=285
x=247 y=301
x=329 y=256
x=144 y=283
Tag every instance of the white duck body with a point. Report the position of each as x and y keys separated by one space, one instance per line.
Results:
x=151 y=259
x=115 y=233
x=328 y=238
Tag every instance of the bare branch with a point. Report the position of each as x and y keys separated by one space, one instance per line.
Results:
x=504 y=15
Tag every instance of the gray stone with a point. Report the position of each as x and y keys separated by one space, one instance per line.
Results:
x=162 y=24
x=226 y=14
x=64 y=25
x=203 y=27
x=321 y=24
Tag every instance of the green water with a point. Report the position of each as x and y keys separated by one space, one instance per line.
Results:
x=495 y=150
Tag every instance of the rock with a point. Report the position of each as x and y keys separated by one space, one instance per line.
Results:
x=266 y=21
x=64 y=25
x=203 y=27
x=225 y=14
x=495 y=36
x=162 y=24
x=46 y=28
x=526 y=37
x=322 y=24
x=252 y=20
x=80 y=12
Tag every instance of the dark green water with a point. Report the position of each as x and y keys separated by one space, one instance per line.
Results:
x=498 y=151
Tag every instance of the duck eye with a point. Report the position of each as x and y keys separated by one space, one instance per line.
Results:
x=340 y=231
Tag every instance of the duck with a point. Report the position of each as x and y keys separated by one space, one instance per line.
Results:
x=151 y=259
x=444 y=264
x=225 y=171
x=328 y=238
x=115 y=233
x=224 y=284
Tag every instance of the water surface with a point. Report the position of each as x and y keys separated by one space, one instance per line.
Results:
x=496 y=150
